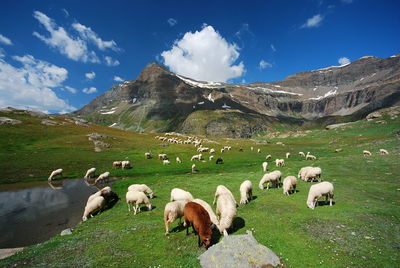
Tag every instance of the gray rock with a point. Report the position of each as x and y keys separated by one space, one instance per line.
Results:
x=96 y=135
x=6 y=120
x=7 y=110
x=78 y=123
x=97 y=149
x=49 y=122
x=36 y=113
x=329 y=127
x=98 y=143
x=66 y=232
x=239 y=251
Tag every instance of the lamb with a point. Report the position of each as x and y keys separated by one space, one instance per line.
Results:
x=198 y=217
x=272 y=177
x=91 y=172
x=268 y=157
x=178 y=160
x=225 y=209
x=365 y=153
x=246 y=192
x=172 y=211
x=265 y=166
x=383 y=151
x=287 y=155
x=311 y=174
x=211 y=158
x=279 y=162
x=95 y=204
x=148 y=155
x=126 y=164
x=302 y=154
x=57 y=172
x=103 y=177
x=117 y=164
x=166 y=162
x=289 y=184
x=137 y=198
x=141 y=188
x=208 y=208
x=317 y=191
x=179 y=194
x=310 y=156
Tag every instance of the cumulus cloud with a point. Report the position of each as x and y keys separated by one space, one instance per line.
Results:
x=5 y=40
x=204 y=55
x=110 y=61
x=314 y=21
x=344 y=60
x=89 y=35
x=90 y=75
x=89 y=90
x=29 y=86
x=118 y=79
x=172 y=22
x=263 y=64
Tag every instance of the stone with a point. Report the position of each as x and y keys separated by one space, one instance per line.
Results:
x=333 y=126
x=97 y=149
x=67 y=231
x=239 y=251
x=6 y=120
x=78 y=123
x=49 y=122
x=98 y=143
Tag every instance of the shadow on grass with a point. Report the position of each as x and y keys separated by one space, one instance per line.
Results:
x=254 y=197
x=324 y=203
x=178 y=228
x=237 y=224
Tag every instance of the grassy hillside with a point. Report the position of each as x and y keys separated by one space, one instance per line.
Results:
x=362 y=229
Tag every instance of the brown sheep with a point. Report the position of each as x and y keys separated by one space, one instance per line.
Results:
x=199 y=218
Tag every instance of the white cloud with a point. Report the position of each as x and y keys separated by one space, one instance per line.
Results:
x=118 y=79
x=172 y=22
x=344 y=60
x=89 y=35
x=89 y=90
x=263 y=64
x=29 y=86
x=110 y=61
x=66 y=13
x=90 y=75
x=5 y=40
x=74 y=48
x=2 y=53
x=204 y=55
x=71 y=89
x=315 y=21
x=273 y=48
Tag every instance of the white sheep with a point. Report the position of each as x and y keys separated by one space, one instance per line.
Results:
x=147 y=155
x=225 y=209
x=106 y=190
x=125 y=164
x=302 y=154
x=279 y=162
x=258 y=150
x=251 y=148
x=272 y=177
x=246 y=192
x=137 y=198
x=172 y=211
x=289 y=184
x=211 y=158
x=196 y=157
x=193 y=168
x=311 y=174
x=317 y=191
x=310 y=156
x=365 y=153
x=141 y=188
x=210 y=211
x=302 y=172
x=383 y=151
x=162 y=156
x=103 y=177
x=222 y=150
x=287 y=155
x=91 y=172
x=265 y=166
x=95 y=204
x=178 y=160
x=179 y=194
x=57 y=172
x=212 y=151
x=268 y=157
x=166 y=162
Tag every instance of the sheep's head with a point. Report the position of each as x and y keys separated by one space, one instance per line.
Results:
x=84 y=218
x=207 y=240
x=310 y=205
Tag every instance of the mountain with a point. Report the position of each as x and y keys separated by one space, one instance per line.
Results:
x=158 y=100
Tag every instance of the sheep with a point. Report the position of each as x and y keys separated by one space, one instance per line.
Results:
x=103 y=192
x=338 y=150
x=212 y=151
x=172 y=211
x=279 y=162
x=137 y=198
x=193 y=168
x=265 y=166
x=225 y=209
x=246 y=192
x=317 y=191
x=210 y=211
x=211 y=158
x=220 y=160
x=57 y=172
x=303 y=171
x=179 y=194
x=91 y=172
x=258 y=150
x=289 y=183
x=196 y=157
x=166 y=162
x=126 y=164
x=311 y=174
x=287 y=155
x=95 y=204
x=268 y=157
x=117 y=164
x=178 y=160
x=222 y=150
x=196 y=216
x=251 y=148
x=383 y=151
x=302 y=154
x=147 y=155
x=162 y=156
x=103 y=177
x=365 y=153
x=272 y=177
x=141 y=188
x=310 y=156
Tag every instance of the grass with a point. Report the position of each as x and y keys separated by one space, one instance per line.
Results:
x=362 y=229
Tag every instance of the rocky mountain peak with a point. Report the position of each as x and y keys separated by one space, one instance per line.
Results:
x=152 y=72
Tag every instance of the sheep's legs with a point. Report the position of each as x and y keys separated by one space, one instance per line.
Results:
x=129 y=207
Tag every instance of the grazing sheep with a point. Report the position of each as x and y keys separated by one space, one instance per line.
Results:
x=312 y=174
x=126 y=164
x=57 y=172
x=141 y=188
x=166 y=162
x=279 y=162
x=246 y=192
x=179 y=194
x=103 y=192
x=208 y=208
x=196 y=216
x=338 y=150
x=302 y=154
x=95 y=204
x=137 y=198
x=310 y=156
x=365 y=153
x=91 y=172
x=220 y=160
x=383 y=151
x=251 y=148
x=162 y=156
x=317 y=191
x=303 y=171
x=289 y=184
x=211 y=158
x=117 y=164
x=265 y=166
x=173 y=210
x=197 y=157
x=193 y=167
x=258 y=150
x=178 y=160
x=103 y=177
x=272 y=177
x=225 y=209
x=212 y=151
x=148 y=155
x=268 y=157
x=222 y=150
x=287 y=155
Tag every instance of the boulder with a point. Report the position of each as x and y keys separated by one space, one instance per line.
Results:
x=6 y=120
x=329 y=127
x=67 y=231
x=49 y=122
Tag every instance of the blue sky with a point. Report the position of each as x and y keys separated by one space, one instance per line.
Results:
x=56 y=56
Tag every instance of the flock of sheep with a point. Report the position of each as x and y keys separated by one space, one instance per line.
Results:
x=198 y=213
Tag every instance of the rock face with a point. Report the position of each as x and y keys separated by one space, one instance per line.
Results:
x=159 y=100
x=239 y=251
x=6 y=120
